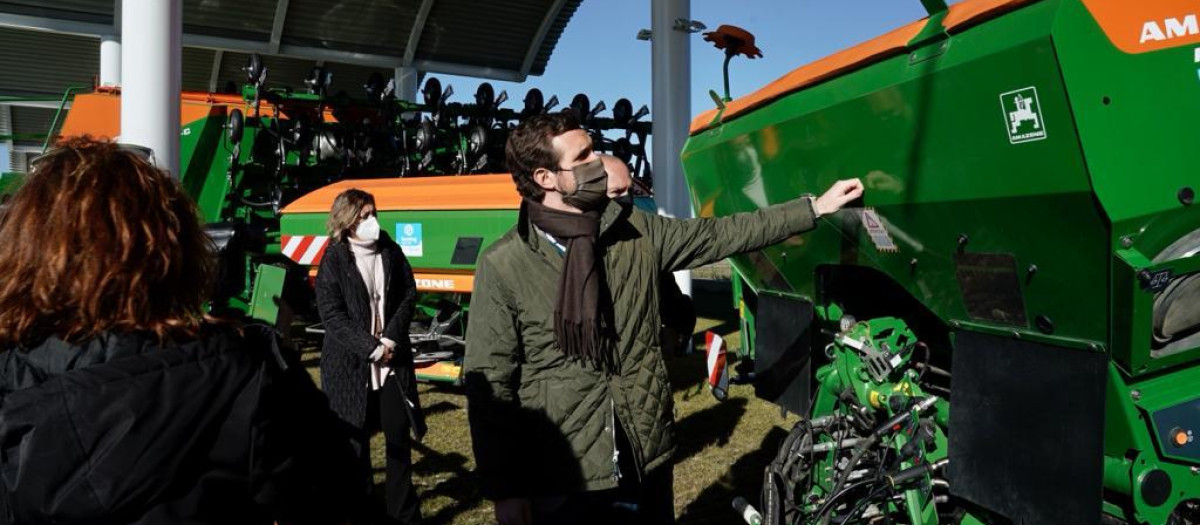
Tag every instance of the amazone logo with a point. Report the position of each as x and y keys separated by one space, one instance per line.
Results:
x=1169 y=28
x=436 y=284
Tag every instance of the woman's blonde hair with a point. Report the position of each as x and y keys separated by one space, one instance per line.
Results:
x=344 y=214
x=98 y=240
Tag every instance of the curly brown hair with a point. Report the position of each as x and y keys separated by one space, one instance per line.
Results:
x=529 y=147
x=99 y=240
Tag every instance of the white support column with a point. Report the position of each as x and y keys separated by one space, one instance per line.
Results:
x=671 y=111
x=6 y=146
x=110 y=60
x=215 y=73
x=110 y=51
x=406 y=83
x=21 y=155
x=152 y=33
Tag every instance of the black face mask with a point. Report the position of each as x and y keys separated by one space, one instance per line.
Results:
x=591 y=187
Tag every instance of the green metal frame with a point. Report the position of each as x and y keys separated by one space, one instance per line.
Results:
x=1083 y=211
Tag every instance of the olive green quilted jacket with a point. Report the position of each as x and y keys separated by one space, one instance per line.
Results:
x=542 y=424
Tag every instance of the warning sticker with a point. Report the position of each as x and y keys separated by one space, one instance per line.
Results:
x=879 y=234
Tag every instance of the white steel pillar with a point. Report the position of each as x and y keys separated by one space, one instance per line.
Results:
x=406 y=83
x=110 y=51
x=671 y=110
x=6 y=145
x=110 y=60
x=150 y=56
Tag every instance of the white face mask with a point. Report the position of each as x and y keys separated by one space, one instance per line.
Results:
x=368 y=229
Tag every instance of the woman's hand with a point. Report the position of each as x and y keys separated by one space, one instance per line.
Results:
x=389 y=350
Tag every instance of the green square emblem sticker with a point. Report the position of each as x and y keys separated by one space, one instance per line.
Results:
x=1023 y=114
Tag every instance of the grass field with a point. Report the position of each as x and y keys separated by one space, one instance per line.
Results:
x=722 y=445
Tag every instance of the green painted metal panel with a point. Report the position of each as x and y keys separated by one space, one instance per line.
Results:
x=1135 y=115
x=10 y=183
x=1137 y=129
x=441 y=231
x=1029 y=135
x=931 y=142
x=206 y=159
x=266 y=300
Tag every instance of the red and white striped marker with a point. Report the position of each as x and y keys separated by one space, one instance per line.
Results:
x=305 y=249
x=718 y=374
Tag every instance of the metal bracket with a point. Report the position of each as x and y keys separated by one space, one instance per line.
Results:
x=689 y=26
x=934 y=7
x=928 y=52
x=933 y=32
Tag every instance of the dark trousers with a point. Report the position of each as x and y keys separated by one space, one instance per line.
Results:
x=648 y=501
x=386 y=411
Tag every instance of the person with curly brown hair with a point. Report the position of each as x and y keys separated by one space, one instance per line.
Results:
x=121 y=400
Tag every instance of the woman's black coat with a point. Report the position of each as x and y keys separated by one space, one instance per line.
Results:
x=125 y=429
x=345 y=309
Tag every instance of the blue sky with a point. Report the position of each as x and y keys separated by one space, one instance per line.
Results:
x=600 y=55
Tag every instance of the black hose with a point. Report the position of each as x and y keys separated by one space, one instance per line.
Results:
x=854 y=459
x=777 y=473
x=870 y=497
x=925 y=361
x=769 y=498
x=822 y=512
x=936 y=370
x=944 y=392
x=256 y=204
x=787 y=453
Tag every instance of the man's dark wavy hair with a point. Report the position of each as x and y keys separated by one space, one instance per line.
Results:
x=529 y=148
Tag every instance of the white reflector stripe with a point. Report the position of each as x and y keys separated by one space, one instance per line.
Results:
x=314 y=248
x=290 y=244
x=718 y=375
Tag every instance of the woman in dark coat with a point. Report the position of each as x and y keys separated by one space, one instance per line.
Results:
x=366 y=297
x=121 y=402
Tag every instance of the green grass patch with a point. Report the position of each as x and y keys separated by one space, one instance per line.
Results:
x=722 y=445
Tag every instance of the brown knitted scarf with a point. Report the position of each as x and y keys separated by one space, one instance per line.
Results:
x=583 y=313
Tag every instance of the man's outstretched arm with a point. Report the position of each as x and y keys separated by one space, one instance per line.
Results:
x=690 y=243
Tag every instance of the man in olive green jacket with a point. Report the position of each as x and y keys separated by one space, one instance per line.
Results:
x=570 y=408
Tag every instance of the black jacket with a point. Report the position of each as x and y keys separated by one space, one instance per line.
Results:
x=123 y=430
x=345 y=311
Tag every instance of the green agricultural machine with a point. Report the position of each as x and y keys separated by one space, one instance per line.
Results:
x=1006 y=329
x=442 y=224
x=265 y=164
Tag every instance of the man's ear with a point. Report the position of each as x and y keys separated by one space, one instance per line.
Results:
x=544 y=178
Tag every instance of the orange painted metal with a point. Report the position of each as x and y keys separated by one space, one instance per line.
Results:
x=960 y=17
x=1128 y=23
x=438 y=371
x=444 y=282
x=453 y=282
x=98 y=114
x=466 y=192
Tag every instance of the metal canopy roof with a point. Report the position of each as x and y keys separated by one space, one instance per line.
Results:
x=503 y=40
x=47 y=46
